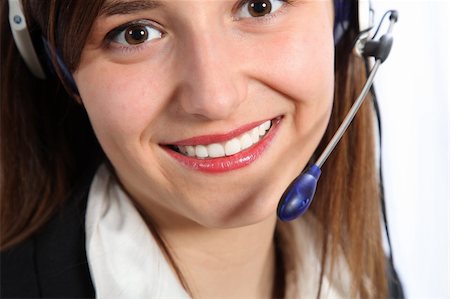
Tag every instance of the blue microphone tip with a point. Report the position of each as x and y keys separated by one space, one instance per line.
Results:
x=299 y=195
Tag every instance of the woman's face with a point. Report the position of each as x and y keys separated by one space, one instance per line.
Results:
x=181 y=95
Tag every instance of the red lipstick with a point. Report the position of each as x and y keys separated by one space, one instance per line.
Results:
x=227 y=163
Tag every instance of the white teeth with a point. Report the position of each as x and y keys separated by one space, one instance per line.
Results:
x=255 y=135
x=215 y=150
x=266 y=126
x=190 y=150
x=228 y=148
x=232 y=147
x=246 y=141
x=263 y=128
x=201 y=151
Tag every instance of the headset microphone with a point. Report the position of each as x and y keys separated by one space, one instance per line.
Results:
x=300 y=193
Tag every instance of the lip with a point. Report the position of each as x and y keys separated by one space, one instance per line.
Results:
x=227 y=163
x=218 y=138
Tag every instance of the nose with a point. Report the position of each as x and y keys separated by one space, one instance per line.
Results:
x=210 y=84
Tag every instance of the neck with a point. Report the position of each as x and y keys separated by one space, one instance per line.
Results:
x=225 y=263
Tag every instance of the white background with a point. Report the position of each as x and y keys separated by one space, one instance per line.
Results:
x=413 y=91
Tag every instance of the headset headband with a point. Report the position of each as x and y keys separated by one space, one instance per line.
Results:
x=22 y=38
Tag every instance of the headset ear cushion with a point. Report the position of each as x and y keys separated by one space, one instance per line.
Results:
x=343 y=9
x=342 y=15
x=365 y=15
x=365 y=24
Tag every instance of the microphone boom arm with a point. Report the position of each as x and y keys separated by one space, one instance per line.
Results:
x=348 y=119
x=297 y=198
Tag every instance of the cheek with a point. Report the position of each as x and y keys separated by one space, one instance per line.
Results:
x=303 y=67
x=302 y=70
x=298 y=61
x=312 y=82
x=120 y=104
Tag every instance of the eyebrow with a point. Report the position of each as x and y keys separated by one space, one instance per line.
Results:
x=114 y=7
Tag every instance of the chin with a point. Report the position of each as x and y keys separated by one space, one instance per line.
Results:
x=249 y=210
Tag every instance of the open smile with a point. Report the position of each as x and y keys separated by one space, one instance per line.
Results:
x=225 y=152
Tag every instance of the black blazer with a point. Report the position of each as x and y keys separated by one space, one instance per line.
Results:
x=53 y=264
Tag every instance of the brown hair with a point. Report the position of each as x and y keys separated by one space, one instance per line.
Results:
x=47 y=143
x=46 y=139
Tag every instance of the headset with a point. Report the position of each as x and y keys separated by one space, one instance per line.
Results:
x=28 y=52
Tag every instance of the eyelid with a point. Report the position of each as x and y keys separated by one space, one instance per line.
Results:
x=111 y=35
x=242 y=3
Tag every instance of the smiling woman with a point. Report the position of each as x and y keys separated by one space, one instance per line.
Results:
x=151 y=161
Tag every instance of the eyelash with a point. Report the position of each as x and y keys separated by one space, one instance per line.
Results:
x=114 y=34
x=267 y=17
x=132 y=49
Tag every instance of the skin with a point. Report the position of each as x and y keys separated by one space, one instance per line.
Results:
x=188 y=83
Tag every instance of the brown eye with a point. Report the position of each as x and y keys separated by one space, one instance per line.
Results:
x=136 y=34
x=259 y=8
